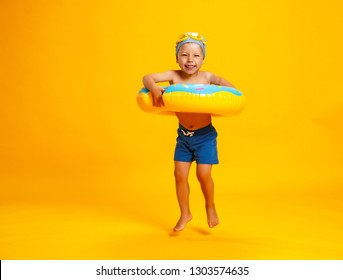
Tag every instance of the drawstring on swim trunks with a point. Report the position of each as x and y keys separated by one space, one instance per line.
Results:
x=188 y=133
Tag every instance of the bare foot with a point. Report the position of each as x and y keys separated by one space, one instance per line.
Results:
x=182 y=222
x=212 y=217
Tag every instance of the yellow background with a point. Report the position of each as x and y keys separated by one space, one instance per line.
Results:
x=85 y=174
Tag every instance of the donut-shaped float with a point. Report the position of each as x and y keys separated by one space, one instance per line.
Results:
x=194 y=98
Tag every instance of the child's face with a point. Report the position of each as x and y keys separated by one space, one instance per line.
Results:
x=190 y=58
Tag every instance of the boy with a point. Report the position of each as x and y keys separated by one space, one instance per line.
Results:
x=196 y=135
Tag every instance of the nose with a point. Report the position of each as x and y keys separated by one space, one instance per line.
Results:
x=190 y=58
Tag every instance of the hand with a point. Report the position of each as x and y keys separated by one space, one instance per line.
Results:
x=157 y=99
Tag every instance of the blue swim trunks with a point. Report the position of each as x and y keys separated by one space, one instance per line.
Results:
x=199 y=145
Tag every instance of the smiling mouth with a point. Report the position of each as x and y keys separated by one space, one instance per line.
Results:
x=190 y=66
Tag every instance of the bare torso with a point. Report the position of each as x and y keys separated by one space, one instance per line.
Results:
x=192 y=121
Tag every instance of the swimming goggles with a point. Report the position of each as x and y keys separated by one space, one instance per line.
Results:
x=192 y=35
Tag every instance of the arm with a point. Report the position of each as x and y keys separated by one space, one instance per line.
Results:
x=216 y=80
x=150 y=82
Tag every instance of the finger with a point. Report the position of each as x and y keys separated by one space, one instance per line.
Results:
x=161 y=97
x=155 y=102
x=158 y=102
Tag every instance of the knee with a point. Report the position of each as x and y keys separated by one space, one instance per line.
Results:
x=180 y=177
x=204 y=177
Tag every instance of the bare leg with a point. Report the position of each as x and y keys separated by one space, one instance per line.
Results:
x=207 y=187
x=181 y=172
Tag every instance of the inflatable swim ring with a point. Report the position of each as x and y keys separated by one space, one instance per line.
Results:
x=194 y=98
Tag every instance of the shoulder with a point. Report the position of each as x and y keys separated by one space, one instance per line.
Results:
x=207 y=74
x=163 y=76
x=173 y=72
x=175 y=76
x=170 y=74
x=217 y=80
